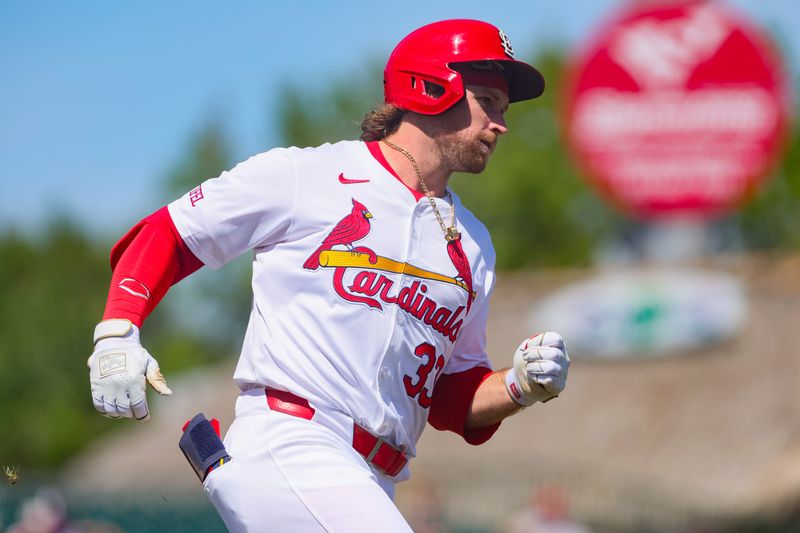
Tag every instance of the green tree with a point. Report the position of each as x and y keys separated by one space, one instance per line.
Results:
x=207 y=154
x=214 y=305
x=50 y=303
x=532 y=197
x=54 y=288
x=539 y=211
x=310 y=117
x=770 y=219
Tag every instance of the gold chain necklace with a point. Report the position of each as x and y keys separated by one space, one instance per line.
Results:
x=450 y=232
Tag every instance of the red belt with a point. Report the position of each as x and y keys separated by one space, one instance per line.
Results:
x=375 y=450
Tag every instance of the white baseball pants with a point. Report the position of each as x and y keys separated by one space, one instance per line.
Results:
x=290 y=474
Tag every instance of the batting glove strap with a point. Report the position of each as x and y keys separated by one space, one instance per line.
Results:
x=116 y=327
x=515 y=390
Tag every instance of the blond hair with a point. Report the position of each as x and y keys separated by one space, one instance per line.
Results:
x=381 y=122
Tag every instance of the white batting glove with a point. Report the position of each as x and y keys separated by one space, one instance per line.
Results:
x=118 y=369
x=540 y=369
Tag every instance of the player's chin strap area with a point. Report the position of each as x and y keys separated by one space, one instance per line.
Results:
x=376 y=451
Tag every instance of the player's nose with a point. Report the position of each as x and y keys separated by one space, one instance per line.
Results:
x=498 y=123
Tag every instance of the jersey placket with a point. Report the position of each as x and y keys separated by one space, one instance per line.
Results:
x=391 y=374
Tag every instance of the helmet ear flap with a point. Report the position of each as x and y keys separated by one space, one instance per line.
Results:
x=428 y=93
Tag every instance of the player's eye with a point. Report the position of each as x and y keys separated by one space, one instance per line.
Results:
x=486 y=102
x=491 y=104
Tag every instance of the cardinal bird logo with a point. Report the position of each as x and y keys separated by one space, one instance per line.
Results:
x=460 y=261
x=350 y=229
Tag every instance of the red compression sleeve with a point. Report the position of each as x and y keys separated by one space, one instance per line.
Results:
x=452 y=398
x=147 y=261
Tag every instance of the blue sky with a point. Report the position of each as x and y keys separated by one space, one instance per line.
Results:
x=98 y=99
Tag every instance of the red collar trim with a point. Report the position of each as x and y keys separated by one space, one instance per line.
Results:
x=375 y=149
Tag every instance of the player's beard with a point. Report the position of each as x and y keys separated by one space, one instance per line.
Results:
x=461 y=152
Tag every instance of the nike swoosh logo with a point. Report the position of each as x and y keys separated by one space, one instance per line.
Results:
x=348 y=181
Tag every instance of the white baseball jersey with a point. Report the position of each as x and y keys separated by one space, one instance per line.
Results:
x=357 y=304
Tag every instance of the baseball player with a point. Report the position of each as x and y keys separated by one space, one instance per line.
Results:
x=371 y=285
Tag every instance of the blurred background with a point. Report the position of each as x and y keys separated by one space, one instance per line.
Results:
x=646 y=206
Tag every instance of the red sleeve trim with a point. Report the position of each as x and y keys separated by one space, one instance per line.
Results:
x=146 y=262
x=452 y=398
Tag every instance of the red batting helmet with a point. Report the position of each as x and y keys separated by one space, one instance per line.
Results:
x=428 y=55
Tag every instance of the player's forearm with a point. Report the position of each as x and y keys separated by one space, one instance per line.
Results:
x=149 y=259
x=491 y=403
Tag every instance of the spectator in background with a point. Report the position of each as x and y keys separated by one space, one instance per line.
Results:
x=46 y=512
x=547 y=512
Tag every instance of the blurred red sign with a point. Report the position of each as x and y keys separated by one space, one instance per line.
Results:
x=677 y=109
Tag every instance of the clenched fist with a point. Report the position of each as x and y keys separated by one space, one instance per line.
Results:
x=540 y=369
x=118 y=370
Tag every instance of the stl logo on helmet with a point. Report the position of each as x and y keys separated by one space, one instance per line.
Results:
x=504 y=40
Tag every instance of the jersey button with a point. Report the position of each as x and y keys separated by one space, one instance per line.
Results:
x=384 y=373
